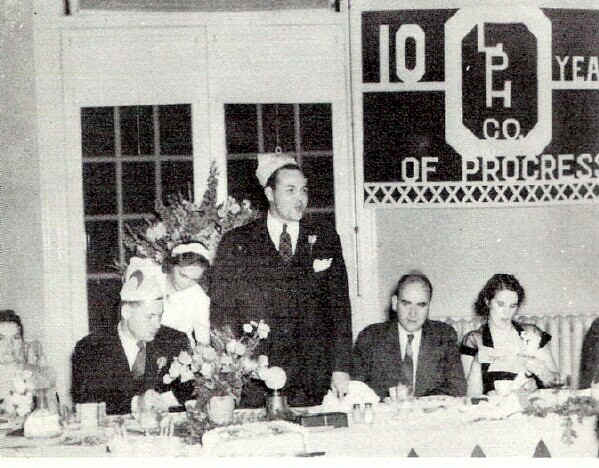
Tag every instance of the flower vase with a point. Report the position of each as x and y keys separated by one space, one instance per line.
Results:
x=276 y=406
x=220 y=409
x=197 y=420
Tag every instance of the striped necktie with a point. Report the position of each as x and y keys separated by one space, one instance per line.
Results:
x=407 y=364
x=285 y=248
x=139 y=366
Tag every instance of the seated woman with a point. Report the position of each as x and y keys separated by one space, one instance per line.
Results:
x=503 y=349
x=19 y=380
x=187 y=306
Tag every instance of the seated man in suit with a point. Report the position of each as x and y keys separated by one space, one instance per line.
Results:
x=411 y=349
x=115 y=366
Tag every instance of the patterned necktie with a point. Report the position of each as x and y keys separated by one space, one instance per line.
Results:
x=285 y=249
x=139 y=366
x=408 y=363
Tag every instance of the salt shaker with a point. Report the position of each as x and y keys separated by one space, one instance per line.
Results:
x=357 y=414
x=368 y=413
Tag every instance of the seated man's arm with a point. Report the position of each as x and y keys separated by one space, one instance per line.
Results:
x=92 y=380
x=361 y=362
x=455 y=381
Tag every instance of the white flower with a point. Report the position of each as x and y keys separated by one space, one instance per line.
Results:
x=161 y=362
x=155 y=232
x=240 y=348
x=247 y=328
x=226 y=360
x=263 y=360
x=209 y=353
x=263 y=373
x=275 y=378
x=253 y=323
x=207 y=369
x=184 y=358
x=249 y=365
x=263 y=329
x=222 y=211
x=312 y=239
x=231 y=346
x=167 y=379
x=234 y=208
x=175 y=369
x=186 y=375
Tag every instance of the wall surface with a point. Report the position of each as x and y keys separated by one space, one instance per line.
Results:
x=553 y=251
x=21 y=265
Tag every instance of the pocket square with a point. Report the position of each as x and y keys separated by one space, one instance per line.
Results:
x=321 y=264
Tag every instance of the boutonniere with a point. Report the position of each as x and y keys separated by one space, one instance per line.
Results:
x=321 y=264
x=311 y=241
x=161 y=362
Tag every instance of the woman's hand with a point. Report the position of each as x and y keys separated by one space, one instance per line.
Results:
x=530 y=385
x=539 y=368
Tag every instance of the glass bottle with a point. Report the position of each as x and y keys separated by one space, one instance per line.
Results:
x=357 y=414
x=368 y=413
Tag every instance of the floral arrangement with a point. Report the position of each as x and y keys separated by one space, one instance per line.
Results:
x=181 y=221
x=578 y=406
x=222 y=367
x=19 y=401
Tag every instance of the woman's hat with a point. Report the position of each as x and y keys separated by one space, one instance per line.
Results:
x=193 y=247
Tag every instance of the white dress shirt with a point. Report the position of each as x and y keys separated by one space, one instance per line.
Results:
x=403 y=343
x=275 y=228
x=129 y=344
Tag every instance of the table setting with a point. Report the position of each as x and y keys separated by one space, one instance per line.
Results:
x=549 y=422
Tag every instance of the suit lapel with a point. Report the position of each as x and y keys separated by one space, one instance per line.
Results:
x=120 y=359
x=393 y=350
x=424 y=369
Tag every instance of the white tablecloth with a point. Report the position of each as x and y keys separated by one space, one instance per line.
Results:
x=407 y=432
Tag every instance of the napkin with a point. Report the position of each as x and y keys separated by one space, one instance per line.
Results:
x=358 y=392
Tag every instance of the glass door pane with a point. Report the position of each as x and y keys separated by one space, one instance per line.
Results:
x=132 y=157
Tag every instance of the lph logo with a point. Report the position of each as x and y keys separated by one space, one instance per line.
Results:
x=498 y=82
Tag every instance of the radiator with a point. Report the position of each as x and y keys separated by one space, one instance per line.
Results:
x=567 y=333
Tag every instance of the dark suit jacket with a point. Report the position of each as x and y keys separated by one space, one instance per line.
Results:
x=101 y=370
x=589 y=361
x=308 y=312
x=377 y=358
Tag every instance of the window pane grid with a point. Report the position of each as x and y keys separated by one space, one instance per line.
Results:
x=123 y=177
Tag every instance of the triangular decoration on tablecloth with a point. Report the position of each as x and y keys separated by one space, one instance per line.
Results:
x=412 y=453
x=477 y=452
x=541 y=451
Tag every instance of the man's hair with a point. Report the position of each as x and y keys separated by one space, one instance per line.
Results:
x=414 y=277
x=9 y=316
x=272 y=179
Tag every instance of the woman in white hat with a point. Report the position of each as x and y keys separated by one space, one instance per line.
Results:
x=187 y=306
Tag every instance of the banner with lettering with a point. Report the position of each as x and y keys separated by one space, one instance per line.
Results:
x=481 y=105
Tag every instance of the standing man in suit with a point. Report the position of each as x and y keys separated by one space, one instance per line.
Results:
x=291 y=273
x=411 y=349
x=115 y=366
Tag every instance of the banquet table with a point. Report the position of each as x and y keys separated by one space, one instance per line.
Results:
x=443 y=429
